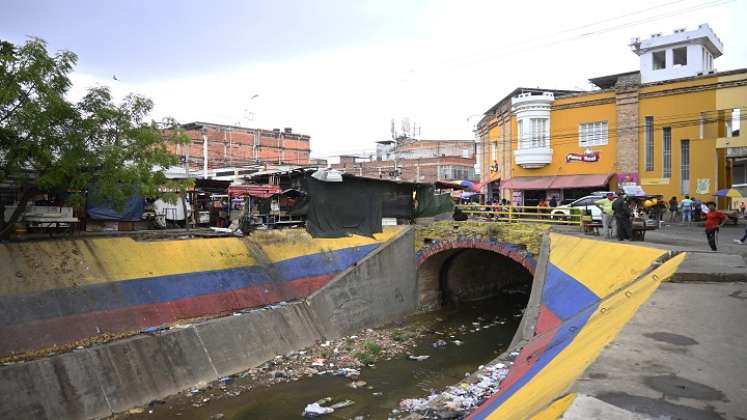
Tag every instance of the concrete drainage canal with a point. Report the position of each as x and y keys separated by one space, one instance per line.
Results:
x=467 y=319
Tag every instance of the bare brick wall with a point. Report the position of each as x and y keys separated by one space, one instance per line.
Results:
x=627 y=105
x=236 y=146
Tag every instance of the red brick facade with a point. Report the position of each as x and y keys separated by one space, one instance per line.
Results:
x=236 y=146
x=415 y=170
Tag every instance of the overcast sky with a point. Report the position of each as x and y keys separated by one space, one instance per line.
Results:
x=339 y=70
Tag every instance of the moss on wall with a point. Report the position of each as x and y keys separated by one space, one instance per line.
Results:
x=523 y=234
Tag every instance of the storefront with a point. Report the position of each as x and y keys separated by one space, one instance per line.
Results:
x=529 y=190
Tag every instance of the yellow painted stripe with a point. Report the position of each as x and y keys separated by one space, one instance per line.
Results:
x=603 y=326
x=556 y=409
x=601 y=266
x=297 y=243
x=42 y=265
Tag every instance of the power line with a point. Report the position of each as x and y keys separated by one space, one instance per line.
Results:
x=547 y=40
x=670 y=120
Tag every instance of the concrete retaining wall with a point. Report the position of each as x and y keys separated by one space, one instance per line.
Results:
x=114 y=377
x=379 y=289
x=589 y=291
x=67 y=292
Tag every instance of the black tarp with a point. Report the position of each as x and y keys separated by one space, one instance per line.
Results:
x=354 y=206
x=432 y=204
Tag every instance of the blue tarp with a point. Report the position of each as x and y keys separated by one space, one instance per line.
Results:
x=131 y=212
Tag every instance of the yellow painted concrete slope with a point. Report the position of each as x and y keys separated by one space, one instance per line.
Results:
x=34 y=266
x=609 y=270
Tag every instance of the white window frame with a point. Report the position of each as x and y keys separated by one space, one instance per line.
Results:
x=666 y=148
x=595 y=133
x=653 y=60
x=674 y=56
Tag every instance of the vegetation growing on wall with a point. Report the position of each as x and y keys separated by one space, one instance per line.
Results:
x=529 y=235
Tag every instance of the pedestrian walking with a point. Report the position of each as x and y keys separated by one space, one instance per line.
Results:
x=673 y=209
x=742 y=208
x=714 y=219
x=554 y=201
x=605 y=205
x=744 y=238
x=686 y=206
x=697 y=209
x=621 y=211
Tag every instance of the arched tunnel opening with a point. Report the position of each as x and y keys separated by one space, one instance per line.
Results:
x=456 y=276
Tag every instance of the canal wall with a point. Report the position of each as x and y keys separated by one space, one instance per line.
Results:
x=58 y=294
x=463 y=261
x=100 y=380
x=585 y=292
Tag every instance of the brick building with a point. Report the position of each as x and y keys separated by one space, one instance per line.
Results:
x=234 y=146
x=415 y=161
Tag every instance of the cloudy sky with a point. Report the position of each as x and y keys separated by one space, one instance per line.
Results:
x=340 y=70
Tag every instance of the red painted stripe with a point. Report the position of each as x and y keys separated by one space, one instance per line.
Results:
x=546 y=320
x=64 y=330
x=523 y=362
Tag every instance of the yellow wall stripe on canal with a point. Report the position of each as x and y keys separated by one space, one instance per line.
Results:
x=36 y=266
x=602 y=267
x=618 y=266
x=556 y=409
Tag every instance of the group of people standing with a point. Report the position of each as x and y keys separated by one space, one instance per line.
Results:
x=617 y=215
x=686 y=211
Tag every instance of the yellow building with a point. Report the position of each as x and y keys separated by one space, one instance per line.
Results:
x=731 y=139
x=667 y=128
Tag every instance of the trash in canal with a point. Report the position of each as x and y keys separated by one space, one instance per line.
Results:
x=418 y=358
x=341 y=404
x=458 y=342
x=358 y=384
x=440 y=343
x=318 y=408
x=314 y=410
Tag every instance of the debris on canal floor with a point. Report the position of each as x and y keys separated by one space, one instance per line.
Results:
x=457 y=401
x=352 y=359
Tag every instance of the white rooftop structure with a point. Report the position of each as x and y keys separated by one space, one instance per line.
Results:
x=681 y=54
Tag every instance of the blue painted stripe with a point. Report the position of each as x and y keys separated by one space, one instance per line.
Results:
x=564 y=295
x=322 y=263
x=16 y=309
x=564 y=336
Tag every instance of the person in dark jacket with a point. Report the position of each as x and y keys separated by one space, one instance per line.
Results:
x=459 y=215
x=622 y=213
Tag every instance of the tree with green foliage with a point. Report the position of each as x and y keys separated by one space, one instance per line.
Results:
x=50 y=144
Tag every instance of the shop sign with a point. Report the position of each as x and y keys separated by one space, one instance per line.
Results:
x=587 y=156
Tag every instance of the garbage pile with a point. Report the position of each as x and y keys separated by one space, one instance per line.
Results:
x=459 y=400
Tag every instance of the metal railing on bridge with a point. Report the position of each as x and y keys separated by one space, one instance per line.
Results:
x=525 y=214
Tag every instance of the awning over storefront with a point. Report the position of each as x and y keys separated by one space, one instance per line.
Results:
x=558 y=182
x=528 y=183
x=580 y=181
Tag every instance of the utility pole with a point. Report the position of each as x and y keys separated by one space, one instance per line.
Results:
x=204 y=152
x=184 y=197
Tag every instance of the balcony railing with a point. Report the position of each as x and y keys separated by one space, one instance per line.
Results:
x=534 y=157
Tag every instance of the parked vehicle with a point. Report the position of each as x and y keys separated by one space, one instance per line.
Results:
x=584 y=203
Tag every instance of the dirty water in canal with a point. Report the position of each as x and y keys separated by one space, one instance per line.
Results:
x=474 y=333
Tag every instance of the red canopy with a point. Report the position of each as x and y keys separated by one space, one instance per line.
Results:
x=558 y=182
x=254 y=190
x=580 y=181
